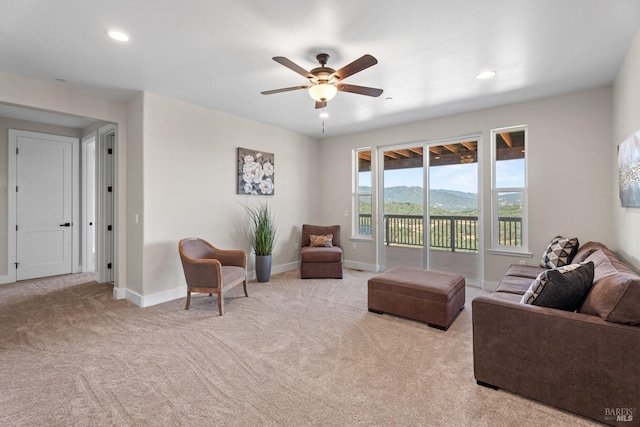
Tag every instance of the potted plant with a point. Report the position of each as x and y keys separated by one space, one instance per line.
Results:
x=262 y=236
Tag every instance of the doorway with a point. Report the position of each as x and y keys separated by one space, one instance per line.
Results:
x=429 y=205
x=99 y=203
x=105 y=204
x=54 y=234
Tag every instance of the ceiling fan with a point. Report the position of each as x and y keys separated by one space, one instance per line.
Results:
x=325 y=82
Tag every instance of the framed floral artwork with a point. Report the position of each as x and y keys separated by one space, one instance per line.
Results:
x=629 y=171
x=256 y=172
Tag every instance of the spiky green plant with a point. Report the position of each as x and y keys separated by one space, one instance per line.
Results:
x=262 y=229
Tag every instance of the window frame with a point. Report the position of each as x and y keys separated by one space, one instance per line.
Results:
x=357 y=194
x=496 y=247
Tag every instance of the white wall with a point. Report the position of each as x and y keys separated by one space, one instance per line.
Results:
x=189 y=179
x=569 y=156
x=626 y=110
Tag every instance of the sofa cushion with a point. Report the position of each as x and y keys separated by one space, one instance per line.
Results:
x=528 y=271
x=514 y=285
x=311 y=254
x=615 y=294
x=563 y=288
x=324 y=241
x=587 y=249
x=560 y=251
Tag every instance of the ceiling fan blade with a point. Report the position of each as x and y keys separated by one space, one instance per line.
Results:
x=320 y=104
x=360 y=90
x=293 y=66
x=286 y=89
x=356 y=66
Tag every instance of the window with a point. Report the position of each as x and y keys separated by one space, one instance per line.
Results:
x=509 y=189
x=362 y=220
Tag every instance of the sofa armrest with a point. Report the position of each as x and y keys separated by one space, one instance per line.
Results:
x=573 y=361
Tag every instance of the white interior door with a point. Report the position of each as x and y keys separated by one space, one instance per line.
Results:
x=44 y=205
x=89 y=203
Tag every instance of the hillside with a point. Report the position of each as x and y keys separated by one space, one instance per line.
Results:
x=408 y=200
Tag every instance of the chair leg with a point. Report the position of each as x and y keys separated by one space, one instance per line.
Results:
x=188 y=300
x=244 y=285
x=220 y=304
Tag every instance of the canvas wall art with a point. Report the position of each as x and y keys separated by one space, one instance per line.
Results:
x=629 y=171
x=256 y=172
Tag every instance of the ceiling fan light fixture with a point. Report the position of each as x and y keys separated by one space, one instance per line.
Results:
x=486 y=74
x=323 y=92
x=118 y=35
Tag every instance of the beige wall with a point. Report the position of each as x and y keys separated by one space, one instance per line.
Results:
x=189 y=178
x=626 y=111
x=569 y=177
x=5 y=125
x=135 y=194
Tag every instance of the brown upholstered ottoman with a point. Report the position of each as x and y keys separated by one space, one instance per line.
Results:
x=431 y=296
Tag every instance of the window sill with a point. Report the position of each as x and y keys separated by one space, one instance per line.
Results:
x=507 y=252
x=361 y=239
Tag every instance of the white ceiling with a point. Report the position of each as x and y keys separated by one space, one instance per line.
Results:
x=218 y=53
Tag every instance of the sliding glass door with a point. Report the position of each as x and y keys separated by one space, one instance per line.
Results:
x=430 y=206
x=403 y=207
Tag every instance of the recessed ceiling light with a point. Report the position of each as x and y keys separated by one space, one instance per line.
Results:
x=487 y=74
x=118 y=35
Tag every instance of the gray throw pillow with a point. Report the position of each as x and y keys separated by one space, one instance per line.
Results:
x=564 y=288
x=560 y=251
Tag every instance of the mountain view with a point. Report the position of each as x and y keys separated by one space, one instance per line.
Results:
x=403 y=200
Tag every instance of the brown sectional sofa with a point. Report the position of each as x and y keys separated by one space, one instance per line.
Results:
x=586 y=362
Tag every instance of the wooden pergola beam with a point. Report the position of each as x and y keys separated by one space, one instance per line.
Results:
x=506 y=137
x=451 y=147
x=470 y=145
x=365 y=155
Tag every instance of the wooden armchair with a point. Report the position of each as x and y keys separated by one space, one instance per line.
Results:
x=320 y=261
x=210 y=270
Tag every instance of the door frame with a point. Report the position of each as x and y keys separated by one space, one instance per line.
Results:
x=425 y=144
x=12 y=220
x=105 y=200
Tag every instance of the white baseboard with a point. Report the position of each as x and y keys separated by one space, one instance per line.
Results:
x=7 y=278
x=181 y=292
x=251 y=275
x=164 y=296
x=119 y=293
x=362 y=266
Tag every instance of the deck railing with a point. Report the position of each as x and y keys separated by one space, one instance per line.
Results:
x=447 y=232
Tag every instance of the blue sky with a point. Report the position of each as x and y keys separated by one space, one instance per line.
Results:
x=461 y=177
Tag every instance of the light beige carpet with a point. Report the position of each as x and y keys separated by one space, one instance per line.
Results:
x=294 y=353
